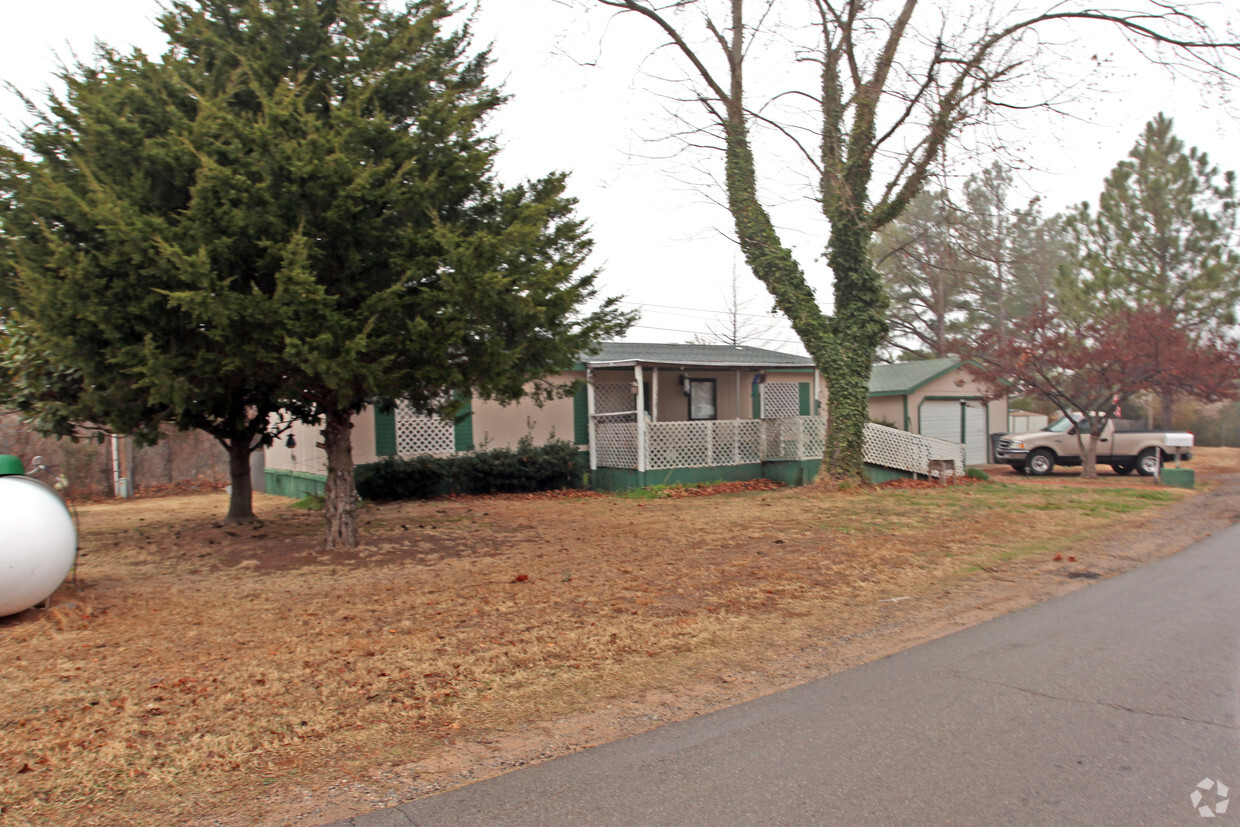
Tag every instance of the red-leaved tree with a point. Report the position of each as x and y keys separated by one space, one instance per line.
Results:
x=1090 y=369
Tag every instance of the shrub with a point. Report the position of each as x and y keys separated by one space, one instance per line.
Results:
x=501 y=470
x=977 y=474
x=418 y=478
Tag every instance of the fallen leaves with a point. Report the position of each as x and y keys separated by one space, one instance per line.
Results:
x=924 y=484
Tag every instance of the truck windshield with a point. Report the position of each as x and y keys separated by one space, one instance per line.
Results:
x=1063 y=425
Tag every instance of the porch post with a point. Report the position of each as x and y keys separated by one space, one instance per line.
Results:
x=737 y=373
x=654 y=395
x=641 y=421
x=815 y=402
x=736 y=436
x=590 y=419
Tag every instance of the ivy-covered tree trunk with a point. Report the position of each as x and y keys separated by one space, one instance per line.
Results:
x=844 y=344
x=859 y=325
x=775 y=267
x=241 y=497
x=341 y=494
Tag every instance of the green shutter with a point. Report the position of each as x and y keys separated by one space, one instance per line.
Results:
x=464 y=430
x=581 y=416
x=803 y=387
x=756 y=393
x=385 y=433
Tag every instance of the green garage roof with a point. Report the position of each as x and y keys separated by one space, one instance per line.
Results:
x=905 y=377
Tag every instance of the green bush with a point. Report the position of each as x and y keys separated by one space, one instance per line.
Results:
x=502 y=470
x=419 y=478
x=977 y=474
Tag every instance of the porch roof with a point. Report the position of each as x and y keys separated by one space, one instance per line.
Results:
x=627 y=354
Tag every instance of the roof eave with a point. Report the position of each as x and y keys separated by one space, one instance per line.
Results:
x=685 y=365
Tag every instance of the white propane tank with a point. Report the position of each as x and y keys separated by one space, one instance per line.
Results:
x=38 y=541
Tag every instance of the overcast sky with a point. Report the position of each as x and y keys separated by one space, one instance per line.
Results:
x=580 y=104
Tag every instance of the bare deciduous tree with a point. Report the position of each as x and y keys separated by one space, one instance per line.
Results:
x=737 y=326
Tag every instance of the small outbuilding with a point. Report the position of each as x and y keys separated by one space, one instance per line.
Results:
x=938 y=398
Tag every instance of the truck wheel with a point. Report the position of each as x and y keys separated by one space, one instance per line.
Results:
x=1148 y=462
x=1123 y=468
x=1040 y=463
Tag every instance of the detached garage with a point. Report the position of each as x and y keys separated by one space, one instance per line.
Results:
x=938 y=398
x=958 y=420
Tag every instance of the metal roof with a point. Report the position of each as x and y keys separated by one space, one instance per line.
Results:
x=885 y=380
x=621 y=354
x=905 y=377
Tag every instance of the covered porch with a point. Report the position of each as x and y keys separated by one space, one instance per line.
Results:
x=684 y=414
x=668 y=414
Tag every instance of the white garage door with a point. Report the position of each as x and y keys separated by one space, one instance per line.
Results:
x=947 y=419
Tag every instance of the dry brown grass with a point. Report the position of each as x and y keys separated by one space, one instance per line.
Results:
x=200 y=668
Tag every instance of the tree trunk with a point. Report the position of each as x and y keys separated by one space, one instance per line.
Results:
x=776 y=268
x=1166 y=401
x=1089 y=457
x=858 y=327
x=241 y=500
x=341 y=495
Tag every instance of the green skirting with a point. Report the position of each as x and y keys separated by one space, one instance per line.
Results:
x=295 y=484
x=879 y=474
x=622 y=479
x=789 y=472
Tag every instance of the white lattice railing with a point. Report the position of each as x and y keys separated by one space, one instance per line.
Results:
x=703 y=444
x=744 y=441
x=794 y=437
x=707 y=444
x=615 y=440
x=893 y=448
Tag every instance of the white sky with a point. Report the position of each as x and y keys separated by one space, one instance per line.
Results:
x=660 y=243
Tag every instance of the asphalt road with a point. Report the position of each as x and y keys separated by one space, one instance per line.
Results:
x=1106 y=706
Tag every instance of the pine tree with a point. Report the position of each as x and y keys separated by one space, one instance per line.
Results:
x=1163 y=237
x=1014 y=252
x=926 y=276
x=953 y=269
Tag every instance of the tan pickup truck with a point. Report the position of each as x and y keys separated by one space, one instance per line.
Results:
x=1121 y=446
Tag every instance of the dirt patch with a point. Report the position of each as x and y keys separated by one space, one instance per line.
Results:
x=223 y=675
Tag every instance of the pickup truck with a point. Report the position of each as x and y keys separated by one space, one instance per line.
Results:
x=1121 y=446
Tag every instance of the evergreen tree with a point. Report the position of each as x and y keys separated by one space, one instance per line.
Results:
x=302 y=189
x=1163 y=237
x=926 y=276
x=100 y=229
x=952 y=269
x=1014 y=252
